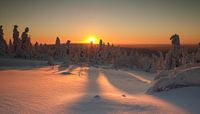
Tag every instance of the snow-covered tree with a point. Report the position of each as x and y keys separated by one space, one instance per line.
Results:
x=16 y=40
x=197 y=56
x=26 y=44
x=173 y=57
x=3 y=45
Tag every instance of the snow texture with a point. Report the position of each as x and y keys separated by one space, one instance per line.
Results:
x=84 y=90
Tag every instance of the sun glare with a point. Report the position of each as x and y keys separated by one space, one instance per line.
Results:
x=92 y=39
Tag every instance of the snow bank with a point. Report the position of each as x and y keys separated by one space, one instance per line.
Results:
x=181 y=77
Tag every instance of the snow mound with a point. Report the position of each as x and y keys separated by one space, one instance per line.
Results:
x=167 y=80
x=162 y=74
x=189 y=77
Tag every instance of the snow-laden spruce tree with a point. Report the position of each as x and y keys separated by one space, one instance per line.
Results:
x=197 y=55
x=10 y=47
x=17 y=44
x=57 y=52
x=160 y=61
x=66 y=54
x=35 y=51
x=3 y=45
x=50 y=61
x=26 y=44
x=173 y=57
x=16 y=39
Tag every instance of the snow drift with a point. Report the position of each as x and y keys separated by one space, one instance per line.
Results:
x=181 y=77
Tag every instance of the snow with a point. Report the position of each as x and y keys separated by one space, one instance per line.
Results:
x=176 y=78
x=140 y=78
x=85 y=90
x=187 y=98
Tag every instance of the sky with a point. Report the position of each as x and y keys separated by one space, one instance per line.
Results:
x=114 y=21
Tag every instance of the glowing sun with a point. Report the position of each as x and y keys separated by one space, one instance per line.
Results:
x=92 y=39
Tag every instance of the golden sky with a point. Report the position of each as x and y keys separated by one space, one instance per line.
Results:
x=115 y=21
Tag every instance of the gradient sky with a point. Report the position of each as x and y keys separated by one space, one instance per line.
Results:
x=115 y=21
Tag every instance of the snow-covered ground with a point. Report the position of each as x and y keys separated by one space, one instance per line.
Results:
x=34 y=88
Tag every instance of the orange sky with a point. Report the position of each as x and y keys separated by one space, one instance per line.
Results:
x=137 y=37
x=115 y=21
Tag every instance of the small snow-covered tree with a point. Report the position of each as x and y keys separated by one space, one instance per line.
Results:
x=197 y=55
x=3 y=45
x=173 y=57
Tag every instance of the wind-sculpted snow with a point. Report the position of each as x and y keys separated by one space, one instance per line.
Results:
x=176 y=78
x=140 y=78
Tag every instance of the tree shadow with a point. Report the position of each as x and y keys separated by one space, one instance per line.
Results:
x=125 y=82
x=94 y=102
x=92 y=89
x=92 y=84
x=186 y=98
x=106 y=106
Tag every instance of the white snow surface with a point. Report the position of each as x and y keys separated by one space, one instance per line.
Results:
x=167 y=80
x=86 y=90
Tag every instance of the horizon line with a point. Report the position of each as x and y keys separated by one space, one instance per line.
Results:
x=127 y=44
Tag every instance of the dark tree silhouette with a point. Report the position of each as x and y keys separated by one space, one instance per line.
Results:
x=3 y=45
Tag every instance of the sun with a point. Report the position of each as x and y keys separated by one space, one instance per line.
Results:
x=92 y=39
